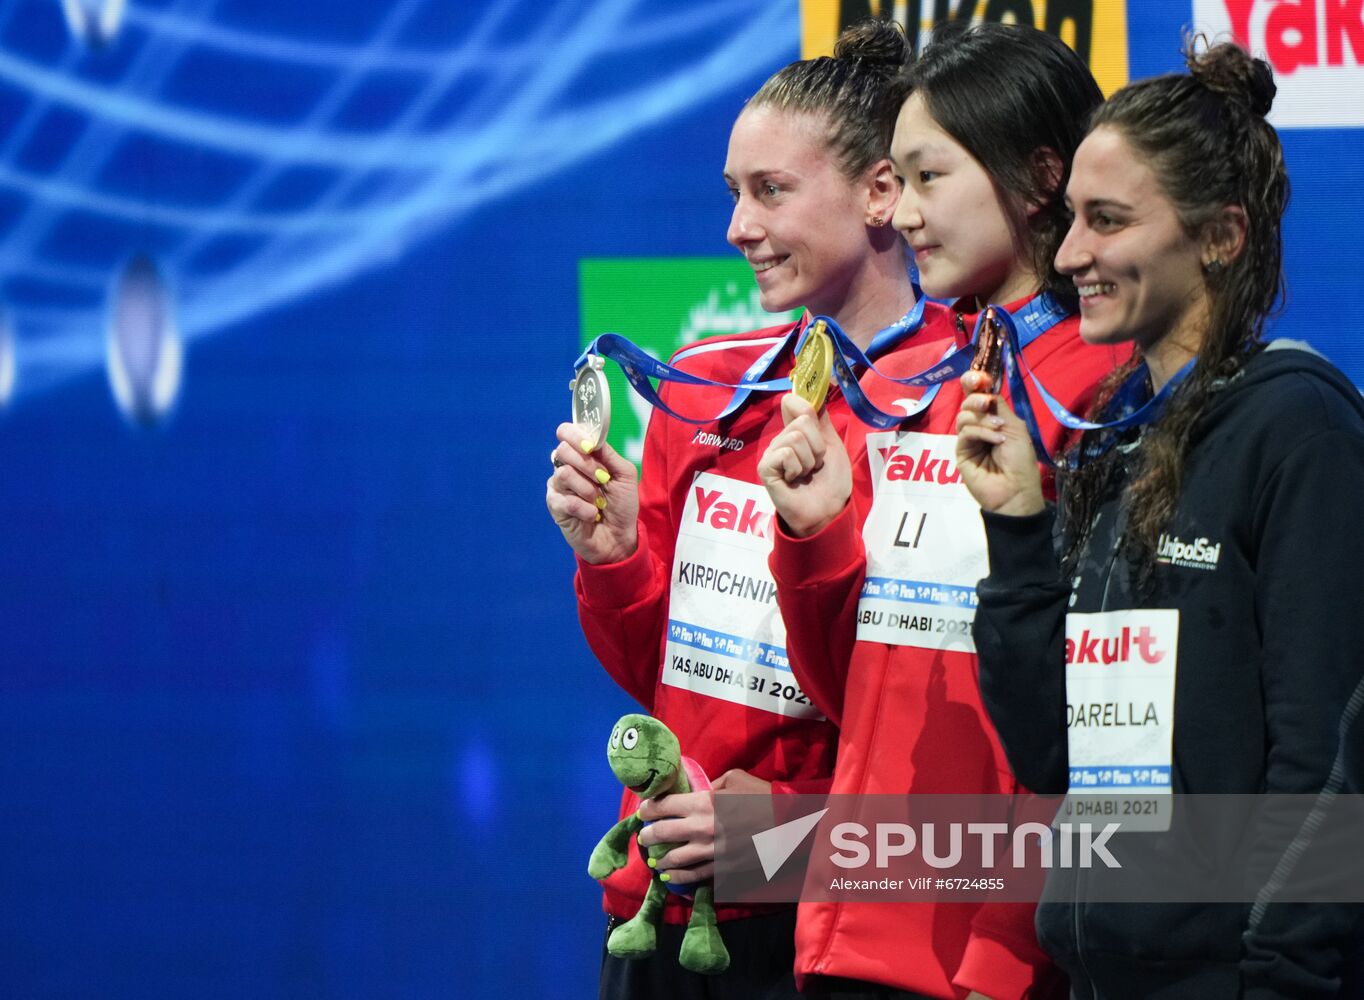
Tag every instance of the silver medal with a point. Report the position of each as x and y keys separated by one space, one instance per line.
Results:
x=592 y=400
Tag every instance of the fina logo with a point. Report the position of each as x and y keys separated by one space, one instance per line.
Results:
x=1315 y=46
x=1196 y=555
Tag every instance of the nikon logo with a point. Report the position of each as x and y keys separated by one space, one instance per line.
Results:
x=1198 y=554
x=1095 y=29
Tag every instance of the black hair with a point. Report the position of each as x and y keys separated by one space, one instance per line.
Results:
x=1005 y=92
x=1205 y=137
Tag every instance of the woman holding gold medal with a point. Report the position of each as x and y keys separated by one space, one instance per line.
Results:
x=674 y=594
x=986 y=123
x=1208 y=521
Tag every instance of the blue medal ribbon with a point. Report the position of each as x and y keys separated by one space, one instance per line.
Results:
x=1130 y=404
x=1038 y=315
x=639 y=366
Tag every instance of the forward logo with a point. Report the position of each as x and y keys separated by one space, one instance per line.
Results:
x=709 y=439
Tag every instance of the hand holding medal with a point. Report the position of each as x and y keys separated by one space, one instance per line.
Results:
x=592 y=493
x=805 y=468
x=994 y=447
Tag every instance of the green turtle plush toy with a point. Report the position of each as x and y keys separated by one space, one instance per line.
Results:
x=646 y=757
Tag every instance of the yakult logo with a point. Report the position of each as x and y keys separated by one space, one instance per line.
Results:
x=1198 y=554
x=713 y=509
x=918 y=466
x=1315 y=46
x=1091 y=646
x=1298 y=33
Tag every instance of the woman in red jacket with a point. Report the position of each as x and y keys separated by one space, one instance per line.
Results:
x=673 y=589
x=989 y=119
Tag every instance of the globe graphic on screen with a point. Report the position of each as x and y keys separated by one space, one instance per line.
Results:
x=169 y=170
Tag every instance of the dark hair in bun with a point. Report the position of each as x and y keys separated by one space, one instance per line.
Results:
x=1229 y=71
x=850 y=88
x=1204 y=135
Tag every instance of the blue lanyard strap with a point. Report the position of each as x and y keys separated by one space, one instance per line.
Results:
x=639 y=366
x=1127 y=402
x=1038 y=315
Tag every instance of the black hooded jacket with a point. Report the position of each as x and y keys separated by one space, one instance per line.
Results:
x=1269 y=685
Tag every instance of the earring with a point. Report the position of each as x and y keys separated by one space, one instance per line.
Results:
x=1212 y=267
x=878 y=221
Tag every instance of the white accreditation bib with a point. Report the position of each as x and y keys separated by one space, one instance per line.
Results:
x=1120 y=702
x=925 y=545
x=726 y=638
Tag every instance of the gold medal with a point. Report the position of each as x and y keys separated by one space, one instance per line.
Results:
x=814 y=366
x=990 y=350
x=592 y=400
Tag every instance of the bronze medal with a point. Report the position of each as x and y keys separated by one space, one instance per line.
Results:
x=814 y=366
x=990 y=350
x=592 y=400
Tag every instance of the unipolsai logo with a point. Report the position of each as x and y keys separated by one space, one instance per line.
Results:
x=1316 y=48
x=1095 y=29
x=1201 y=553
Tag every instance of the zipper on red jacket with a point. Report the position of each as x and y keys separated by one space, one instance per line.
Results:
x=837 y=914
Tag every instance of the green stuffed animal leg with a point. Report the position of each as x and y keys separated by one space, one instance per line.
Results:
x=703 y=950
x=637 y=937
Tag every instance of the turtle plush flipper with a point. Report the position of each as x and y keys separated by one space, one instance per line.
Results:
x=703 y=950
x=638 y=937
x=612 y=851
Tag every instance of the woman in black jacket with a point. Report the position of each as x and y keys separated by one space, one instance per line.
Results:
x=1186 y=621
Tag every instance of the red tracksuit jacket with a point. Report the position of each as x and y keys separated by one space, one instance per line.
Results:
x=700 y=573
x=911 y=718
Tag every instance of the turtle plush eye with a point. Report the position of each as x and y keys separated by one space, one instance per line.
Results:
x=615 y=738
x=630 y=738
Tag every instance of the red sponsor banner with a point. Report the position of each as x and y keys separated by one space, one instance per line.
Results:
x=1315 y=46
